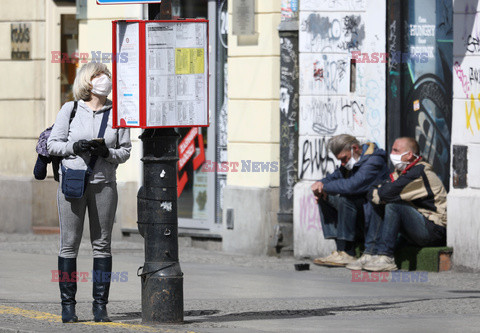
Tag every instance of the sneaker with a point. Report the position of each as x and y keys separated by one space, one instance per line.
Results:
x=360 y=262
x=319 y=261
x=341 y=260
x=381 y=264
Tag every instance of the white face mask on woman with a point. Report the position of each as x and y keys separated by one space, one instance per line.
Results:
x=397 y=161
x=101 y=85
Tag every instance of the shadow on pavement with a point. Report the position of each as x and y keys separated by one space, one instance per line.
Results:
x=288 y=314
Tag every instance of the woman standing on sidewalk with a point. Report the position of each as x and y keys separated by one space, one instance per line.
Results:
x=88 y=142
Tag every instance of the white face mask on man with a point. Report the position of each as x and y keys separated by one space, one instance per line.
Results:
x=397 y=161
x=101 y=85
x=351 y=162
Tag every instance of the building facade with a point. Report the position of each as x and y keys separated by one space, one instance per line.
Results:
x=463 y=222
x=45 y=42
x=285 y=76
x=338 y=94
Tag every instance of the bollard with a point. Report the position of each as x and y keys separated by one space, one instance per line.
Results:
x=162 y=278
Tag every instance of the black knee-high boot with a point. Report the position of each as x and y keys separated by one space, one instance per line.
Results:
x=68 y=288
x=102 y=271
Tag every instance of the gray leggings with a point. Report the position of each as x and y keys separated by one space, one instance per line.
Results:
x=101 y=200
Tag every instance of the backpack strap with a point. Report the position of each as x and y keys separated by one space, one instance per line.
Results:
x=74 y=111
x=103 y=126
x=101 y=133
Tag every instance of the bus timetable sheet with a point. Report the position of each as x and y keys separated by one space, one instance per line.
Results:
x=176 y=87
x=128 y=76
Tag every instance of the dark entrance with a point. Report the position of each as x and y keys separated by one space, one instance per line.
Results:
x=419 y=77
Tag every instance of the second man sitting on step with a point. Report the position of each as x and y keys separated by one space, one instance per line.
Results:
x=342 y=198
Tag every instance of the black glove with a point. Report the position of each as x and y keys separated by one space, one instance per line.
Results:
x=40 y=169
x=99 y=148
x=81 y=146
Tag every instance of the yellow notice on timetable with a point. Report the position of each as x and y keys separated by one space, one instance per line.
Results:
x=189 y=61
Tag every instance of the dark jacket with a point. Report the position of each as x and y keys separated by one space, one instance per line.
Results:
x=371 y=169
x=418 y=185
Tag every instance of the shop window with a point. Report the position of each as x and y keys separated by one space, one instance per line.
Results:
x=69 y=58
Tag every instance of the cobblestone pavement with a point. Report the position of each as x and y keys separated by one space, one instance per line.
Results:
x=235 y=293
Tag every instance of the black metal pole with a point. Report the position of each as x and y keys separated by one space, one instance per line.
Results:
x=162 y=278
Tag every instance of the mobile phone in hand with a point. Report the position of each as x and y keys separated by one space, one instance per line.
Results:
x=94 y=143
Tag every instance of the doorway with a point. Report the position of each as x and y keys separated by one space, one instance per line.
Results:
x=419 y=78
x=61 y=37
x=197 y=200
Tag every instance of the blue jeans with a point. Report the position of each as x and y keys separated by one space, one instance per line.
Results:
x=403 y=218
x=341 y=217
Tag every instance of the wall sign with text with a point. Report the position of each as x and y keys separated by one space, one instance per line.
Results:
x=243 y=17
x=20 y=35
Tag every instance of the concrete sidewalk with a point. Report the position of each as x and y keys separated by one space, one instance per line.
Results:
x=235 y=293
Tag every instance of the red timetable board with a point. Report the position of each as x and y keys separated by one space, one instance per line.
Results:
x=160 y=73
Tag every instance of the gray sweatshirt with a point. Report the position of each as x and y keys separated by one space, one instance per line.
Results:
x=85 y=125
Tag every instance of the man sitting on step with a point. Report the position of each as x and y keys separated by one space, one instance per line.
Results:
x=342 y=196
x=415 y=204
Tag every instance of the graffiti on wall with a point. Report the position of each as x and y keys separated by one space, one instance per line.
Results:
x=333 y=5
x=326 y=74
x=375 y=115
x=392 y=48
x=473 y=44
x=314 y=159
x=472 y=115
x=463 y=79
x=289 y=105
x=309 y=213
x=329 y=103
x=332 y=33
x=394 y=91
x=470 y=36
x=328 y=116
x=467 y=35
x=466 y=77
x=466 y=83
x=429 y=115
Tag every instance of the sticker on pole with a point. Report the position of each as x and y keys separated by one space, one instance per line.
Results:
x=164 y=82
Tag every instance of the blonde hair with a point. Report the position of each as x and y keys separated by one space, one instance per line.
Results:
x=82 y=86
